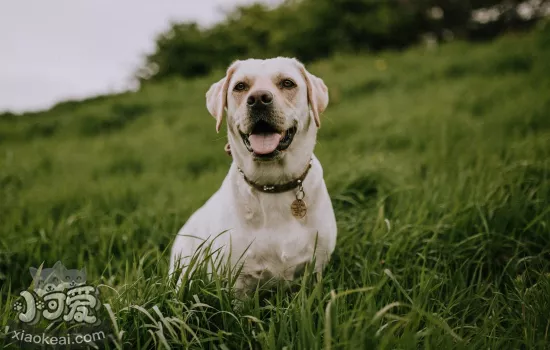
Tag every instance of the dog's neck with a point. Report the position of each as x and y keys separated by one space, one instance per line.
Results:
x=278 y=172
x=278 y=188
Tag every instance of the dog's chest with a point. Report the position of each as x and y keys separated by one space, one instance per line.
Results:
x=279 y=243
x=272 y=211
x=279 y=252
x=276 y=243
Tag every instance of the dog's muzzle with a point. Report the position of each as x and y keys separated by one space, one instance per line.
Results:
x=266 y=137
x=267 y=141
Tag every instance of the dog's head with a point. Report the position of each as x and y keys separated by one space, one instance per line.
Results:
x=273 y=109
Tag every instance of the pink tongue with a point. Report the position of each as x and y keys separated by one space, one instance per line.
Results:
x=264 y=143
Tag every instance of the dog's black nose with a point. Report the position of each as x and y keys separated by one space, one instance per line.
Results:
x=259 y=98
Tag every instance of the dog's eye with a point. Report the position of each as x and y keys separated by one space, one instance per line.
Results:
x=240 y=87
x=287 y=83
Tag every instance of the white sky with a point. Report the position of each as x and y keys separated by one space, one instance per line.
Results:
x=53 y=50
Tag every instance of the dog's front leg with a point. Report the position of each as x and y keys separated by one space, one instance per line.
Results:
x=244 y=286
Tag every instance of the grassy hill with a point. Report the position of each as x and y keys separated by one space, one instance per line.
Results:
x=437 y=162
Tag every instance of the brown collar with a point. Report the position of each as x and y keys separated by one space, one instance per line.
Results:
x=278 y=188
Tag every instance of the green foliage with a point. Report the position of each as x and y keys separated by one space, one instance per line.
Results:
x=117 y=118
x=437 y=163
x=315 y=29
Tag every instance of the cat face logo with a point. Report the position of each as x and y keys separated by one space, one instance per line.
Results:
x=59 y=294
x=74 y=277
x=57 y=278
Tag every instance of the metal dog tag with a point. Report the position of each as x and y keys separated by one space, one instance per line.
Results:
x=298 y=208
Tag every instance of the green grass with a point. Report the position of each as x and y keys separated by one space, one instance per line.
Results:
x=438 y=166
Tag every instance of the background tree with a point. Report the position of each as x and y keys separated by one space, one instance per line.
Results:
x=314 y=29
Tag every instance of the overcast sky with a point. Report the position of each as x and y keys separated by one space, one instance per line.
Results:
x=53 y=50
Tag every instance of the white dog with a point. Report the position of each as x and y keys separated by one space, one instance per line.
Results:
x=273 y=207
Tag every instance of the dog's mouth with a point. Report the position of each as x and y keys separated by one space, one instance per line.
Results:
x=266 y=142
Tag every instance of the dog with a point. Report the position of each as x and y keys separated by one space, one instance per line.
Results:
x=272 y=214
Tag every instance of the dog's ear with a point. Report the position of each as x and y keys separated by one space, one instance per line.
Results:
x=216 y=96
x=317 y=93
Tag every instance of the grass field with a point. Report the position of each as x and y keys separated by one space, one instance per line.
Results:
x=437 y=162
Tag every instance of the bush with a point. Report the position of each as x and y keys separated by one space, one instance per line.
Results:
x=119 y=117
x=314 y=29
